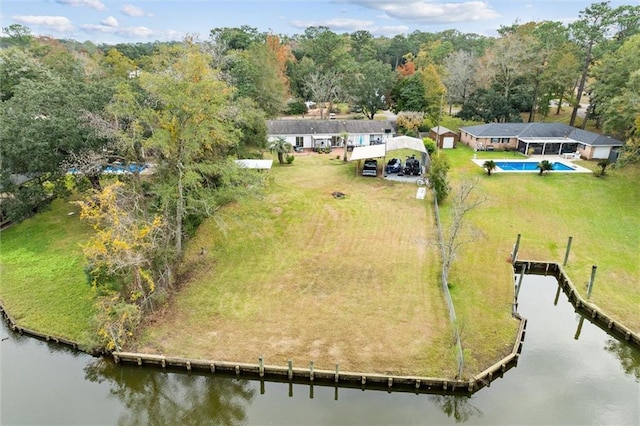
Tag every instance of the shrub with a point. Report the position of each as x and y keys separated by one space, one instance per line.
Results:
x=296 y=107
x=289 y=158
x=429 y=144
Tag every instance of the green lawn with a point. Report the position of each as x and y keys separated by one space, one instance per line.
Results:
x=601 y=214
x=42 y=283
x=300 y=275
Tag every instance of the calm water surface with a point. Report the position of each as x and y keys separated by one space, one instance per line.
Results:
x=593 y=379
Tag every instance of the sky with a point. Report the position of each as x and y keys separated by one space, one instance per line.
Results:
x=104 y=21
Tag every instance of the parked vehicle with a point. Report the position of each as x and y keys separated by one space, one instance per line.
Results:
x=412 y=166
x=370 y=168
x=394 y=166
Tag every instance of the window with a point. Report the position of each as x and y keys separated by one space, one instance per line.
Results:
x=495 y=140
x=505 y=140
x=299 y=140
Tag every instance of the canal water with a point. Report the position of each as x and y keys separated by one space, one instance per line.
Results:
x=567 y=375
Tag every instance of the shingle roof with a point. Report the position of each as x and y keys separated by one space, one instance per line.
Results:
x=334 y=127
x=540 y=130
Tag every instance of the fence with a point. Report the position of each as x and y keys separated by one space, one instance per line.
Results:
x=445 y=289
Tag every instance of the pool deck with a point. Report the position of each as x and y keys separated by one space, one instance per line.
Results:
x=536 y=159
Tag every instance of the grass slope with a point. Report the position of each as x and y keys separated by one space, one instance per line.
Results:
x=42 y=283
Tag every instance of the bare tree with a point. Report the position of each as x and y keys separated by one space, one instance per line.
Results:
x=324 y=88
x=460 y=76
x=464 y=201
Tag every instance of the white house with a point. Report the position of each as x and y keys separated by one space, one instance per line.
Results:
x=313 y=134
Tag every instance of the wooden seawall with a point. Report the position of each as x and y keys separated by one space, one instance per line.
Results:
x=582 y=306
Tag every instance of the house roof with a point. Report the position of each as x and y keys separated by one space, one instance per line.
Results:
x=441 y=130
x=539 y=131
x=332 y=127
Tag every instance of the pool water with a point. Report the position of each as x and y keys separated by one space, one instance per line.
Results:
x=529 y=166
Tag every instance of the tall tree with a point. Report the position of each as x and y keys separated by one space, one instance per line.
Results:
x=370 y=86
x=186 y=113
x=506 y=64
x=617 y=87
x=259 y=73
x=327 y=49
x=363 y=47
x=407 y=94
x=588 y=32
x=459 y=77
x=324 y=87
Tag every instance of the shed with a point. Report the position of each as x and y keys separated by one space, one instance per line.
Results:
x=445 y=138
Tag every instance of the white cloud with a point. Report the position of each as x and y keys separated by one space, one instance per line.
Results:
x=94 y=4
x=337 y=24
x=131 y=10
x=427 y=12
x=128 y=32
x=133 y=32
x=109 y=21
x=56 y=23
x=341 y=25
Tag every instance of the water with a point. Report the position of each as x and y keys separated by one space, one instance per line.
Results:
x=530 y=166
x=559 y=380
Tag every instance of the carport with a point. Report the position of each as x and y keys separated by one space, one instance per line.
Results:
x=408 y=142
x=364 y=152
x=392 y=144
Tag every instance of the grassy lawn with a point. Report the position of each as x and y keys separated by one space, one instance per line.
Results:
x=42 y=283
x=601 y=214
x=300 y=275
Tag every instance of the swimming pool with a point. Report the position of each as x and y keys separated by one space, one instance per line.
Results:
x=530 y=166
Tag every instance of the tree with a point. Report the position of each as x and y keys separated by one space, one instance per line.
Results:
x=490 y=166
x=327 y=49
x=363 y=47
x=409 y=121
x=588 y=32
x=617 y=86
x=18 y=36
x=124 y=243
x=345 y=137
x=433 y=91
x=488 y=105
x=545 y=166
x=370 y=86
x=438 y=175
x=45 y=127
x=603 y=164
x=237 y=38
x=506 y=64
x=464 y=202
x=324 y=88
x=280 y=146
x=122 y=259
x=631 y=148
x=258 y=72
x=459 y=77
x=185 y=111
x=407 y=94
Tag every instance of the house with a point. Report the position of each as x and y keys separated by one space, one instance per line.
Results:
x=444 y=137
x=314 y=134
x=540 y=139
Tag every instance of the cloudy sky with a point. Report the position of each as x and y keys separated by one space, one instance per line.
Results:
x=104 y=21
